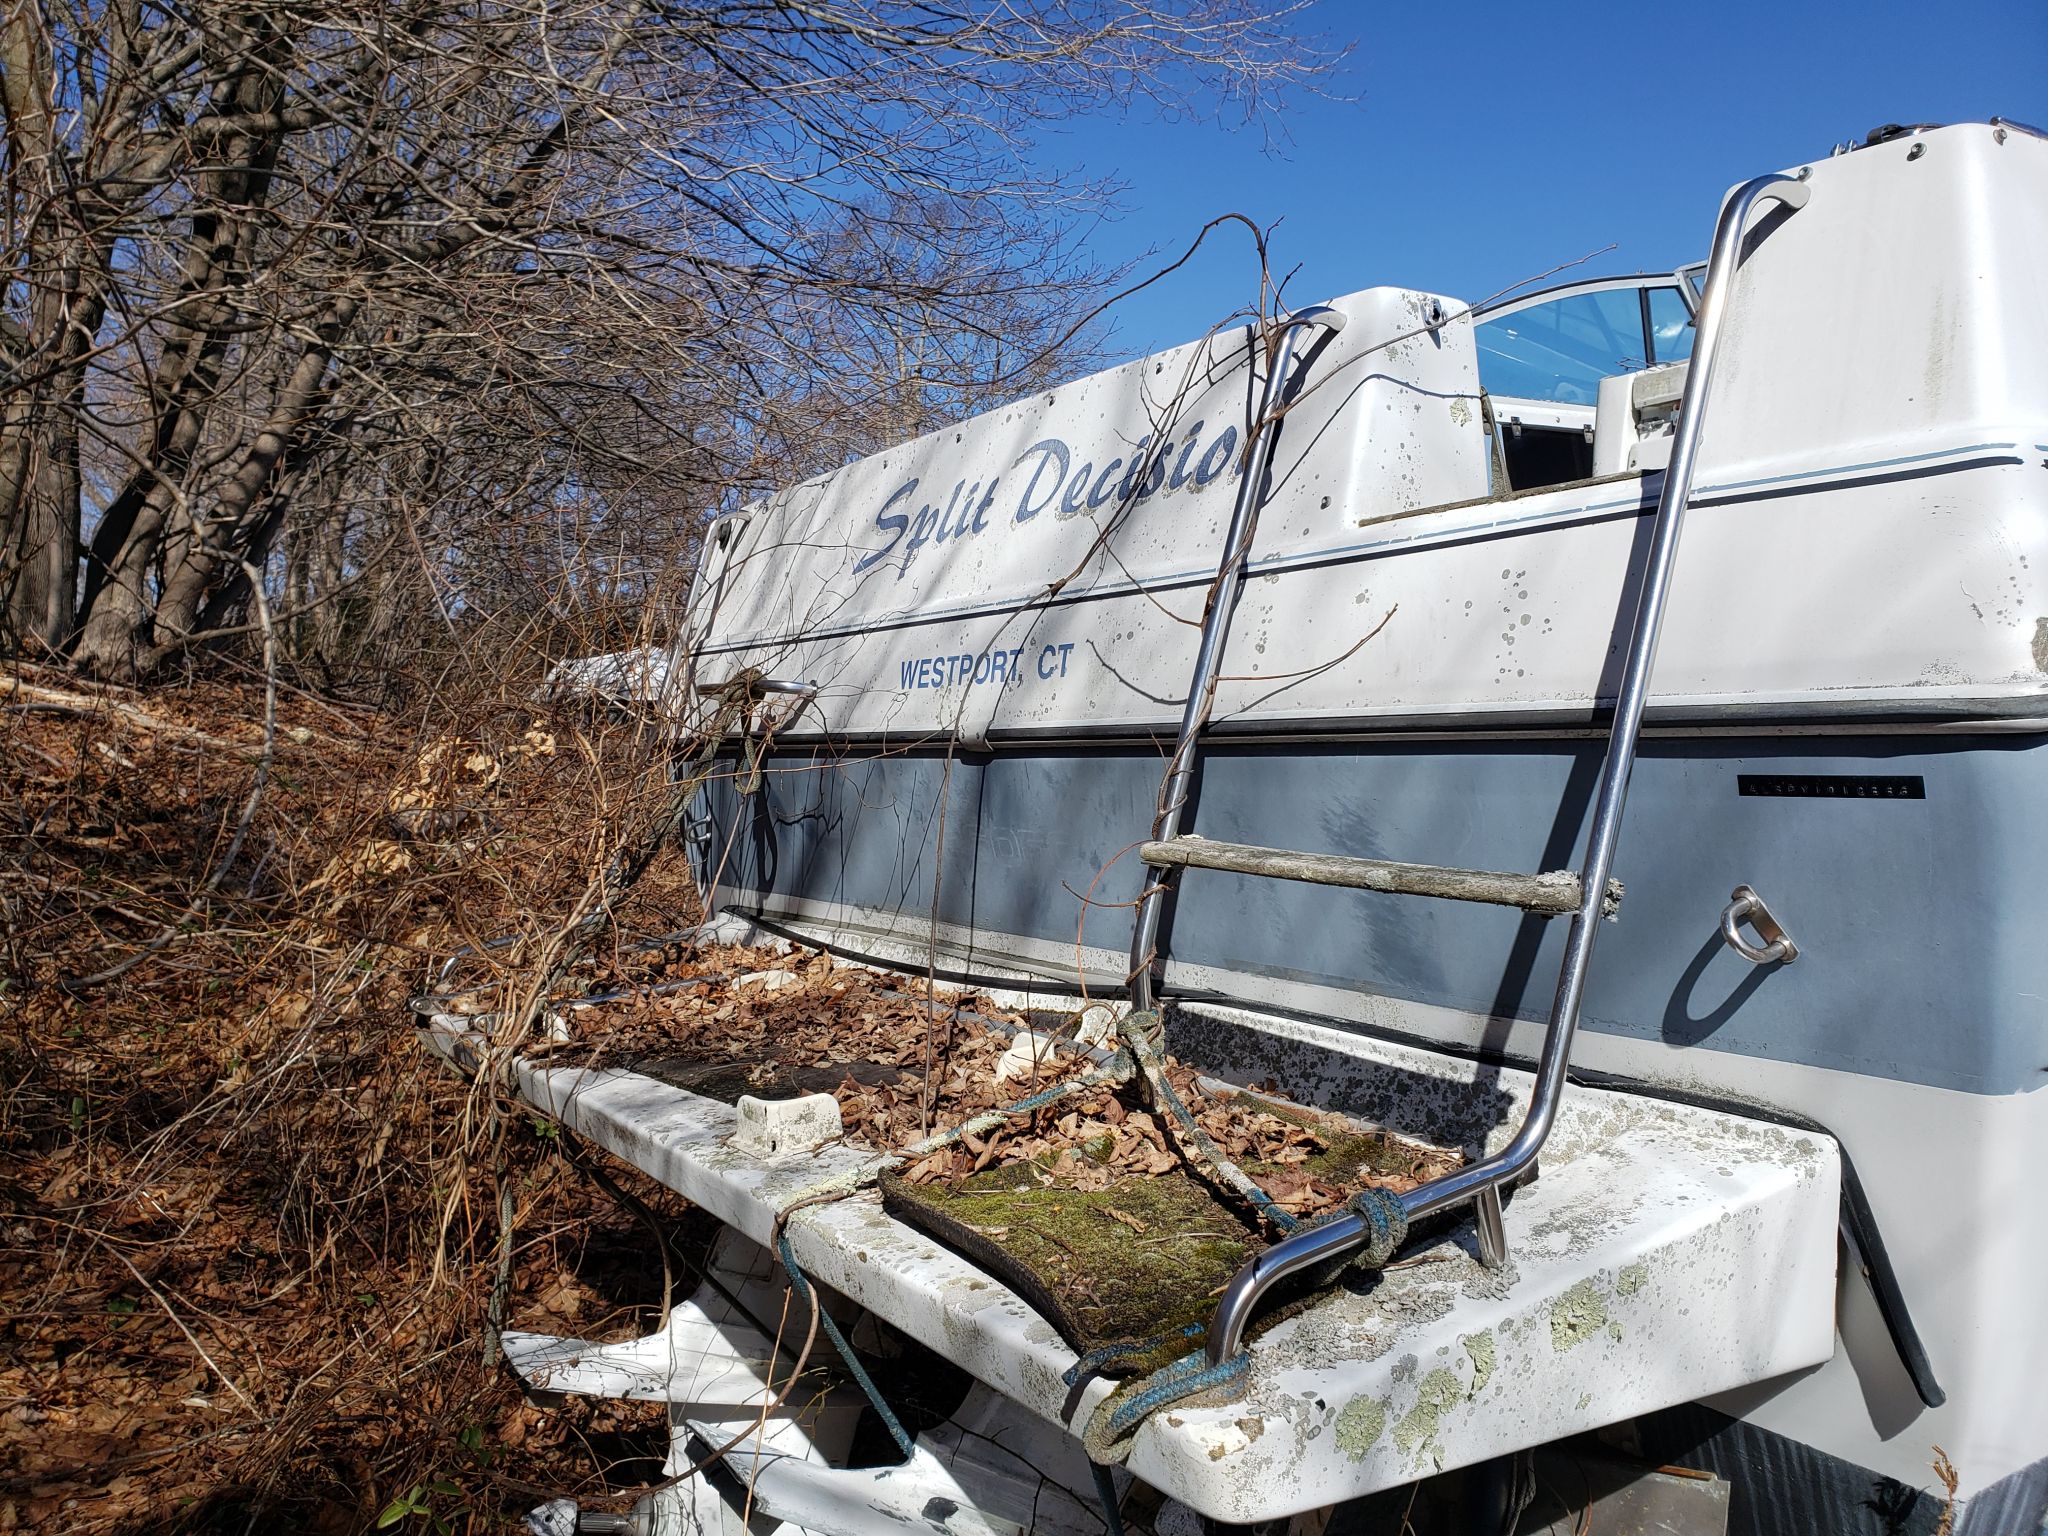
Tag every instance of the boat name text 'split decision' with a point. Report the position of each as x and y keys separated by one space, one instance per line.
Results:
x=1146 y=471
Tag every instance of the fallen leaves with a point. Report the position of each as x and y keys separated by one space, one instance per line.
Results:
x=904 y=1067
x=238 y=1143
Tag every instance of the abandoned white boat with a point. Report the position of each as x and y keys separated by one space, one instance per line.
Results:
x=1321 y=690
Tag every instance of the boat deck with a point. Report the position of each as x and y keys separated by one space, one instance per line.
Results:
x=1664 y=1253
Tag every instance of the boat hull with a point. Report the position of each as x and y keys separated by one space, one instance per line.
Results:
x=1913 y=1026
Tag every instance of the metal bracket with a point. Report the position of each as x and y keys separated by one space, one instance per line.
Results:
x=749 y=684
x=1745 y=906
x=699 y=830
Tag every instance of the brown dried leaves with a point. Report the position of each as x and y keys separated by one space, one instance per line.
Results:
x=784 y=1013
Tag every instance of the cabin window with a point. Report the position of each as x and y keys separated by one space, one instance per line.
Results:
x=1542 y=360
x=1670 y=320
x=1560 y=351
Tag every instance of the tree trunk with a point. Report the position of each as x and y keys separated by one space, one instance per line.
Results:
x=298 y=404
x=150 y=522
x=65 y=276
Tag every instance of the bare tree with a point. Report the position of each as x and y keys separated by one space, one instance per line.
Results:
x=446 y=304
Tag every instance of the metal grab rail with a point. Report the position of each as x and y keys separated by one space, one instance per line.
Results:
x=1244 y=518
x=1483 y=1180
x=752 y=686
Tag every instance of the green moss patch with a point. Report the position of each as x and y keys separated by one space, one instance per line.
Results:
x=1435 y=1395
x=1143 y=1257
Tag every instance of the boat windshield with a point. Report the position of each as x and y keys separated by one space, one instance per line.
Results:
x=1559 y=348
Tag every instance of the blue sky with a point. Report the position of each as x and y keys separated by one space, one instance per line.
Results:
x=1482 y=144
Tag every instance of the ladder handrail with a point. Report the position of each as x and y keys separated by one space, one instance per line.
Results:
x=1487 y=1176
x=1244 y=519
x=1554 y=892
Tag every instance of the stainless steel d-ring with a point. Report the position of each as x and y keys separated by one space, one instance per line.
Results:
x=1748 y=907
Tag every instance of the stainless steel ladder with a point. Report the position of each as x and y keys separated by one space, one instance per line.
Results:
x=1585 y=896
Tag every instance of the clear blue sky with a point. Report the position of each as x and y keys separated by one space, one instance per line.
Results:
x=1480 y=144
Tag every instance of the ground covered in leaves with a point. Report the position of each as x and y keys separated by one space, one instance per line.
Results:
x=248 y=1229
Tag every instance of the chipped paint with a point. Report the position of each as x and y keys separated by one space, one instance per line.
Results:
x=1576 y=1316
x=1221 y=1440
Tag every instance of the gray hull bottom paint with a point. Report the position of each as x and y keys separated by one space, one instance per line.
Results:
x=1782 y=1487
x=1776 y=1487
x=2013 y=1506
x=1917 y=917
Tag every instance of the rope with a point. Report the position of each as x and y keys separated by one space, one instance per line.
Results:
x=1386 y=1218
x=1137 y=1030
x=1110 y=1429
x=1106 y=1439
x=1097 y=1360
x=860 y=1372
x=1118 y=1069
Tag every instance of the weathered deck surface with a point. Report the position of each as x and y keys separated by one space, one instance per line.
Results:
x=1665 y=1253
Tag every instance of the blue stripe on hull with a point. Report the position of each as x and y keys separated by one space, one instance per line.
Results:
x=1920 y=921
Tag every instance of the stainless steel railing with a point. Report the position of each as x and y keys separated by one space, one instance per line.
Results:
x=1482 y=1181
x=1244 y=521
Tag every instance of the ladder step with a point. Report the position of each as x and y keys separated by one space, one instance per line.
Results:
x=1550 y=894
